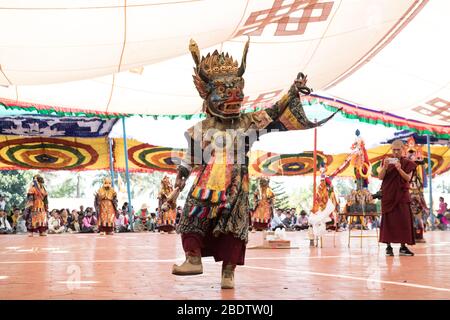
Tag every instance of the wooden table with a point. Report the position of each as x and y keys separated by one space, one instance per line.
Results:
x=363 y=224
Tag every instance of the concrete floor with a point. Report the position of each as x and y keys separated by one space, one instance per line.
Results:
x=138 y=265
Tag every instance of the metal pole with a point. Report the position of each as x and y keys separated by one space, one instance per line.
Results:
x=127 y=174
x=429 y=182
x=111 y=163
x=314 y=164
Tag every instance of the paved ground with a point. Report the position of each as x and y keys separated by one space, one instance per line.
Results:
x=137 y=266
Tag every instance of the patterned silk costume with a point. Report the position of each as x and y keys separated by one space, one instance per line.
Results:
x=215 y=218
x=324 y=208
x=263 y=213
x=167 y=214
x=37 y=206
x=360 y=162
x=106 y=207
x=418 y=205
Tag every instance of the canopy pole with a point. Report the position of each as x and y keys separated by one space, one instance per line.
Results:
x=111 y=163
x=127 y=174
x=429 y=181
x=314 y=164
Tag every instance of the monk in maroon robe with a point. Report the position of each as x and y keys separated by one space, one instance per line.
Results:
x=397 y=221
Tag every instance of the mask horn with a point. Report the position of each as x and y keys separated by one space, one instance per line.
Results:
x=195 y=52
x=244 y=59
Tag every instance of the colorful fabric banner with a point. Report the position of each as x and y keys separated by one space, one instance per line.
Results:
x=52 y=126
x=92 y=154
x=387 y=119
x=143 y=157
x=53 y=153
x=147 y=158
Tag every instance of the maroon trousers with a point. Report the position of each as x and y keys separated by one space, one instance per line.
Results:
x=260 y=226
x=166 y=228
x=105 y=229
x=38 y=229
x=224 y=248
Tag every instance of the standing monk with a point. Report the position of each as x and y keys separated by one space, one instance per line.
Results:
x=215 y=218
x=37 y=205
x=106 y=207
x=396 y=221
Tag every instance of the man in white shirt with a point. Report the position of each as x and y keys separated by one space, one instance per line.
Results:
x=277 y=222
x=54 y=224
x=5 y=227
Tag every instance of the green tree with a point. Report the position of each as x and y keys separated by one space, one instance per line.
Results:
x=140 y=183
x=66 y=189
x=97 y=181
x=301 y=198
x=59 y=187
x=343 y=187
x=14 y=185
x=281 y=196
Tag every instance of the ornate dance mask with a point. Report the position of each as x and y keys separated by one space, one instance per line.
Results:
x=218 y=79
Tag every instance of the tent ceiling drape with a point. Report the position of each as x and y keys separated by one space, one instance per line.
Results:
x=131 y=56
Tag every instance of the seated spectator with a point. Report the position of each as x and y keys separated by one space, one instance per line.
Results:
x=330 y=225
x=294 y=216
x=5 y=227
x=152 y=222
x=142 y=216
x=89 y=224
x=21 y=226
x=73 y=221
x=342 y=223
x=120 y=224
x=125 y=208
x=64 y=220
x=81 y=212
x=80 y=218
x=441 y=214
x=91 y=211
x=302 y=221
x=14 y=218
x=287 y=221
x=54 y=223
x=276 y=222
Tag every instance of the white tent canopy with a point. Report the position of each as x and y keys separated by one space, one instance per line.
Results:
x=381 y=54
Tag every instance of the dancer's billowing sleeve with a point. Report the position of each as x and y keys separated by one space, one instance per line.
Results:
x=288 y=113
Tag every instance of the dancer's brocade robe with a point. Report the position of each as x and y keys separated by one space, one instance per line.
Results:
x=218 y=199
x=264 y=211
x=106 y=207
x=37 y=203
x=167 y=217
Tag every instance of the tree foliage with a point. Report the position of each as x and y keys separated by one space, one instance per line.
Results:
x=281 y=196
x=14 y=185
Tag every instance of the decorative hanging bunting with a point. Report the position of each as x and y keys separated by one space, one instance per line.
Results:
x=147 y=158
x=384 y=118
x=270 y=164
x=52 y=126
x=144 y=157
x=92 y=154
x=53 y=154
